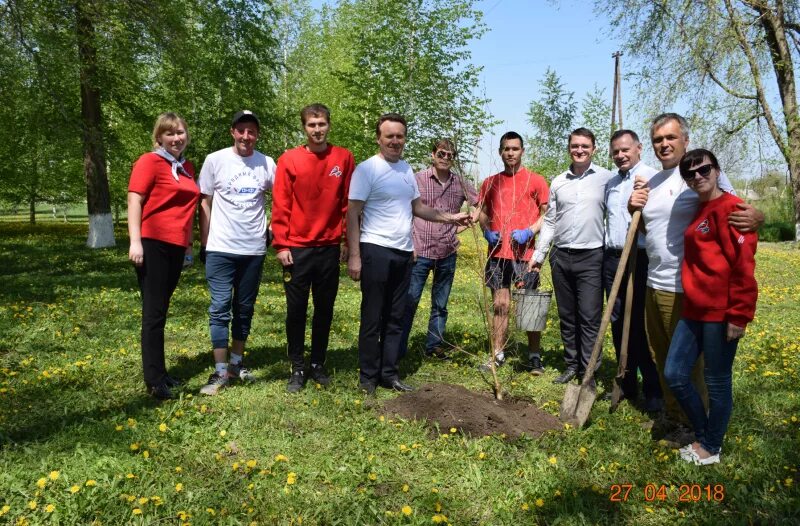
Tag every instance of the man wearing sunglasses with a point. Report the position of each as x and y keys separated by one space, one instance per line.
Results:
x=435 y=245
x=670 y=207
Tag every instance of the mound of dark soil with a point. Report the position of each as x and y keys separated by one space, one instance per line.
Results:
x=476 y=414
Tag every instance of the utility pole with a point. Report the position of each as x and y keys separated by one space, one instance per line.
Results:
x=616 y=96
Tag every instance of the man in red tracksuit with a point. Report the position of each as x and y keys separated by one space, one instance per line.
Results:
x=308 y=210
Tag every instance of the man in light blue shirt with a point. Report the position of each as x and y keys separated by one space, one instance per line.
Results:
x=626 y=153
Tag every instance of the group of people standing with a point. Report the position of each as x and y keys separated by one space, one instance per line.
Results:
x=394 y=227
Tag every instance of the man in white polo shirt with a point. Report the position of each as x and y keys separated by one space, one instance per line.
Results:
x=670 y=207
x=383 y=200
x=233 y=240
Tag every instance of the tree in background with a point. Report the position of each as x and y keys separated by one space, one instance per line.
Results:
x=106 y=69
x=731 y=60
x=363 y=58
x=554 y=115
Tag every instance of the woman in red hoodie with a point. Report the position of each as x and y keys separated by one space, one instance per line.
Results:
x=162 y=198
x=719 y=300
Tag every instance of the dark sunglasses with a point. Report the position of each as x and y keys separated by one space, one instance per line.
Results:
x=704 y=171
x=444 y=155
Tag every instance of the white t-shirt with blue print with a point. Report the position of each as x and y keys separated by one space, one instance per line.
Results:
x=238 y=215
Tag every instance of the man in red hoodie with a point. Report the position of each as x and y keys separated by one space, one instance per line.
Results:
x=308 y=210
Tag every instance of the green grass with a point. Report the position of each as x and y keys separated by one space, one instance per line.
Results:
x=72 y=405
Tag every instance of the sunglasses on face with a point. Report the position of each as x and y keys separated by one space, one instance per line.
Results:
x=704 y=171
x=444 y=155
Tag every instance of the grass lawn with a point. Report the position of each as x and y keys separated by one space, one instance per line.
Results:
x=81 y=443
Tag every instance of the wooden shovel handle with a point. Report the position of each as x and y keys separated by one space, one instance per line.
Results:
x=612 y=297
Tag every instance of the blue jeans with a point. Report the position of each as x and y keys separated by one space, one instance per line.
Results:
x=689 y=340
x=444 y=270
x=233 y=282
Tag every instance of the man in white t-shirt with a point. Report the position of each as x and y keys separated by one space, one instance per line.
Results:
x=670 y=207
x=383 y=200
x=233 y=242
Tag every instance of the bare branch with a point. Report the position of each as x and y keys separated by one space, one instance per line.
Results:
x=736 y=129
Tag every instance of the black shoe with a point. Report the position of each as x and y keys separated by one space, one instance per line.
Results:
x=535 y=366
x=171 y=381
x=160 y=392
x=297 y=381
x=566 y=376
x=319 y=375
x=397 y=385
x=367 y=387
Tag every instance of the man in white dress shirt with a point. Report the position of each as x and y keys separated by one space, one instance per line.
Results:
x=626 y=153
x=574 y=225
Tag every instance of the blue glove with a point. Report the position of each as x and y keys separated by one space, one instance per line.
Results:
x=492 y=237
x=522 y=236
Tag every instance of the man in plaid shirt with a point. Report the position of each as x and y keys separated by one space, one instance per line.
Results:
x=435 y=245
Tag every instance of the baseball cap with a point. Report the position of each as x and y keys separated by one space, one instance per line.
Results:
x=245 y=116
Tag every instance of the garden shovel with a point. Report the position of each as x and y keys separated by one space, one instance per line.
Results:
x=616 y=393
x=578 y=399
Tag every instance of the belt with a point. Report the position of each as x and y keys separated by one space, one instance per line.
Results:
x=577 y=250
x=618 y=251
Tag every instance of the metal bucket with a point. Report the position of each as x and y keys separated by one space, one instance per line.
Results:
x=532 y=307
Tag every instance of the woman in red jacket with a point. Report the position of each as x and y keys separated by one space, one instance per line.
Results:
x=162 y=197
x=719 y=300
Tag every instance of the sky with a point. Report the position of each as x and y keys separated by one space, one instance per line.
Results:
x=526 y=37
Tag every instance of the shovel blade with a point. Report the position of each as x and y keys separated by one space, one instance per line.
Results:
x=616 y=396
x=577 y=404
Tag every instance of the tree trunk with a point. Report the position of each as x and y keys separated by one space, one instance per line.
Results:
x=32 y=209
x=783 y=66
x=98 y=197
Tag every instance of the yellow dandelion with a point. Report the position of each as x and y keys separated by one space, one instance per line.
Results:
x=373 y=476
x=137 y=511
x=539 y=503
x=280 y=458
x=131 y=422
x=143 y=500
x=179 y=487
x=211 y=511
x=134 y=446
x=291 y=478
x=582 y=450
x=32 y=505
x=557 y=493
x=41 y=483
x=178 y=469
x=553 y=460
x=251 y=464
x=54 y=475
x=162 y=427
x=91 y=482
x=439 y=518
x=524 y=506
x=117 y=427
x=481 y=455
x=453 y=430
x=223 y=433
x=75 y=489
x=438 y=506
x=649 y=509
x=235 y=466
x=50 y=508
x=381 y=418
x=146 y=454
x=5 y=509
x=130 y=476
x=407 y=510
x=405 y=488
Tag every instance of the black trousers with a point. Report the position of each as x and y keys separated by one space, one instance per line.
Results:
x=315 y=270
x=578 y=284
x=158 y=276
x=638 y=352
x=385 y=276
